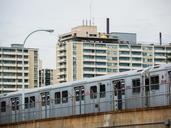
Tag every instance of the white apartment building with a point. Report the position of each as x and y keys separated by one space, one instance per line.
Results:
x=11 y=68
x=85 y=53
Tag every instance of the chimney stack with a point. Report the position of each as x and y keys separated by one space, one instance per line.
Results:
x=107 y=25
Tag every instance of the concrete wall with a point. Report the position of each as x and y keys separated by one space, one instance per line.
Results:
x=141 y=118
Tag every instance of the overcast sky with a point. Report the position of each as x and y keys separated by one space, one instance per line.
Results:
x=20 y=17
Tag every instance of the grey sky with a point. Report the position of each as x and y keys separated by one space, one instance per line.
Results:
x=20 y=17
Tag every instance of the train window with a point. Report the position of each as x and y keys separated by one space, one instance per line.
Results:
x=57 y=97
x=3 y=106
x=136 y=85
x=79 y=93
x=93 y=92
x=64 y=96
x=45 y=98
x=119 y=87
x=154 y=80
x=147 y=84
x=15 y=103
x=26 y=102
x=102 y=90
x=32 y=101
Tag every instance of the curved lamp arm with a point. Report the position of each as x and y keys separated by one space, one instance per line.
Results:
x=45 y=30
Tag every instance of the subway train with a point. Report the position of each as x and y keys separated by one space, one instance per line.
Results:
x=147 y=87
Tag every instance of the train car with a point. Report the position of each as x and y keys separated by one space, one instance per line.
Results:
x=148 y=87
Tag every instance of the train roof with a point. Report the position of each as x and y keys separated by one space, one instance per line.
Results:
x=89 y=80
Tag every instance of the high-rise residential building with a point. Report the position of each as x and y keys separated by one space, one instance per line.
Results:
x=85 y=53
x=46 y=77
x=11 y=68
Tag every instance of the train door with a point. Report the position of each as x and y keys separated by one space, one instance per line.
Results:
x=79 y=99
x=147 y=92
x=4 y=111
x=15 y=105
x=119 y=93
x=45 y=104
x=29 y=108
x=169 y=86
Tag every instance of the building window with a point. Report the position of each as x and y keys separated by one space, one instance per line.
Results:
x=123 y=70
x=64 y=96
x=100 y=69
x=136 y=53
x=102 y=91
x=136 y=86
x=124 y=46
x=124 y=53
x=93 y=92
x=124 y=64
x=88 y=75
x=3 y=106
x=136 y=65
x=101 y=63
x=154 y=82
x=101 y=57
x=57 y=97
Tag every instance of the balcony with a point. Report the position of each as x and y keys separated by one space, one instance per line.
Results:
x=89 y=53
x=62 y=73
x=101 y=73
x=14 y=71
x=14 y=77
x=124 y=49
x=100 y=60
x=101 y=54
x=160 y=57
x=89 y=72
x=101 y=48
x=61 y=54
x=137 y=61
x=62 y=79
x=62 y=66
x=124 y=55
x=89 y=66
x=89 y=59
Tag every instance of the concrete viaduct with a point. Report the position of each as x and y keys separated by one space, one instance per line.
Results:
x=156 y=117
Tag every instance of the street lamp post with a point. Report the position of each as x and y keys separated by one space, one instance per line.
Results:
x=23 y=81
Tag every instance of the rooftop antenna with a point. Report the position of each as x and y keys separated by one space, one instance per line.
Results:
x=93 y=21
x=83 y=22
x=160 y=38
x=90 y=13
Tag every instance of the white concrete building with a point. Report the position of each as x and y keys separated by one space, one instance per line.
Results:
x=11 y=68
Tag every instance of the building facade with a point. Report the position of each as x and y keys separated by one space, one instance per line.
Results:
x=45 y=77
x=84 y=53
x=11 y=68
